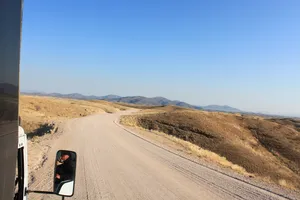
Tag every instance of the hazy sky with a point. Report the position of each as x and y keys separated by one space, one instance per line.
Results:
x=245 y=54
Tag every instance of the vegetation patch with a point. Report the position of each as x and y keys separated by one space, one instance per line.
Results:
x=267 y=148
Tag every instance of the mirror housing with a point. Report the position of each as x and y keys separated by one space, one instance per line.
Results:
x=64 y=173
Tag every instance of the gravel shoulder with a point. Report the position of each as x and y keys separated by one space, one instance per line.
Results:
x=114 y=163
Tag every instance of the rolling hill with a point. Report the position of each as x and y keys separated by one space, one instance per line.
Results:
x=224 y=108
x=73 y=96
x=265 y=147
x=156 y=101
x=139 y=100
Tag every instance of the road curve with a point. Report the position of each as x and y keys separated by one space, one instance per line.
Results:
x=114 y=164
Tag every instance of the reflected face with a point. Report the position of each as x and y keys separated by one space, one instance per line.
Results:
x=64 y=157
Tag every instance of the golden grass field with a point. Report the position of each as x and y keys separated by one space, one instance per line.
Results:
x=41 y=115
x=42 y=112
x=251 y=145
x=266 y=148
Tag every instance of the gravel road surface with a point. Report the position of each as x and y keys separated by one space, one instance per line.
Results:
x=115 y=164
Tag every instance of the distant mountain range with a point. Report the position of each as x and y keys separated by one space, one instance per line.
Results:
x=221 y=108
x=155 y=101
x=140 y=100
x=73 y=96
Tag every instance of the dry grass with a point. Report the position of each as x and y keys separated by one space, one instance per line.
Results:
x=131 y=120
x=39 y=114
x=267 y=148
x=137 y=106
x=206 y=154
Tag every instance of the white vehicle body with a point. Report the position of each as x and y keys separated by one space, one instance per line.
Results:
x=66 y=188
x=22 y=155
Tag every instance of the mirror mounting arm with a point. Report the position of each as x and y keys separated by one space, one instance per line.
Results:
x=40 y=192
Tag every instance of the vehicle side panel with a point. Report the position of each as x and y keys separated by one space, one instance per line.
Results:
x=10 y=32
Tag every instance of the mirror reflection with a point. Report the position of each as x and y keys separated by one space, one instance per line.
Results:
x=64 y=173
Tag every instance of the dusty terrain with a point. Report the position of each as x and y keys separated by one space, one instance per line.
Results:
x=42 y=115
x=114 y=163
x=106 y=148
x=267 y=148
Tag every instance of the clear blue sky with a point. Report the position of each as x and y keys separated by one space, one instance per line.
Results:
x=245 y=54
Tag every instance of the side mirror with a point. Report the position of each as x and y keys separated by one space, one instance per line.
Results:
x=64 y=173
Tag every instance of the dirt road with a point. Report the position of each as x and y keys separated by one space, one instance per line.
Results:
x=115 y=164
